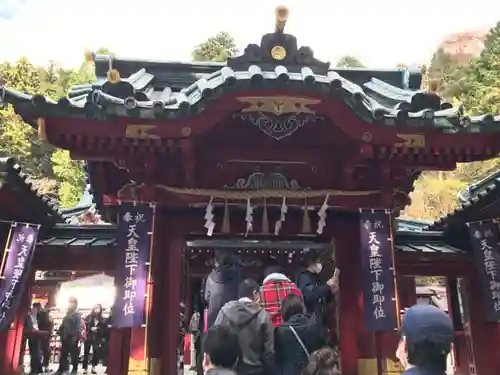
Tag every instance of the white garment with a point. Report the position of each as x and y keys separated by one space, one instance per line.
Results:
x=275 y=277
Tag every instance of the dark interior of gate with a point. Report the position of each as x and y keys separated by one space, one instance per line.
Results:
x=254 y=254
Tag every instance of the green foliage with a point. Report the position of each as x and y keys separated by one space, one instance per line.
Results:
x=445 y=73
x=48 y=169
x=434 y=196
x=71 y=177
x=349 y=62
x=475 y=83
x=14 y=135
x=480 y=90
x=216 y=48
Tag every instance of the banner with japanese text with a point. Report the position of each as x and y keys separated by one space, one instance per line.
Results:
x=133 y=241
x=484 y=240
x=377 y=267
x=16 y=271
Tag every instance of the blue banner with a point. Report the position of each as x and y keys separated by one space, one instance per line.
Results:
x=133 y=241
x=377 y=271
x=16 y=273
x=484 y=240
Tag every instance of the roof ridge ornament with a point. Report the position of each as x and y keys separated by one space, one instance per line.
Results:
x=281 y=18
x=277 y=49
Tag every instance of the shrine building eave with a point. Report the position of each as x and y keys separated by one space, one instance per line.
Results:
x=142 y=96
x=103 y=236
x=481 y=201
x=153 y=103
x=21 y=201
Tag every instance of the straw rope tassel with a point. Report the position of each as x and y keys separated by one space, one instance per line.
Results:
x=265 y=219
x=226 y=223
x=306 y=220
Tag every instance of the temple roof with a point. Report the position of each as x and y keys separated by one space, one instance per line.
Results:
x=24 y=200
x=175 y=90
x=171 y=90
x=85 y=205
x=479 y=201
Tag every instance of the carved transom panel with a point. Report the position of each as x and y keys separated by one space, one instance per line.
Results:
x=278 y=116
x=265 y=181
x=278 y=127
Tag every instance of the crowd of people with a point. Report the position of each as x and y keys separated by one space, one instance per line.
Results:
x=279 y=327
x=279 y=324
x=75 y=331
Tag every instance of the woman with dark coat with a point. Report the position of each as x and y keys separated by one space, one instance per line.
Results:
x=221 y=285
x=95 y=326
x=296 y=338
x=318 y=294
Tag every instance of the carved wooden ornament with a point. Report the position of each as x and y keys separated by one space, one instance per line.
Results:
x=140 y=132
x=278 y=105
x=411 y=140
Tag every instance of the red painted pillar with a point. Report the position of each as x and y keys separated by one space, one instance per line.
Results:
x=119 y=347
x=351 y=332
x=172 y=264
x=407 y=290
x=483 y=335
x=11 y=342
x=156 y=318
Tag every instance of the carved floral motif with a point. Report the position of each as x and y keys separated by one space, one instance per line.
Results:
x=278 y=127
x=265 y=181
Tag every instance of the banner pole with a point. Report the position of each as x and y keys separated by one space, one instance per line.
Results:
x=5 y=252
x=396 y=289
x=148 y=290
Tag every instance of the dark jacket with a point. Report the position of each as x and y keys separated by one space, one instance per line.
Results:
x=44 y=320
x=317 y=294
x=290 y=357
x=71 y=326
x=220 y=371
x=221 y=287
x=418 y=370
x=99 y=323
x=30 y=330
x=255 y=332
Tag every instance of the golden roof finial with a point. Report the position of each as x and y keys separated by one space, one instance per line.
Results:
x=281 y=18
x=113 y=76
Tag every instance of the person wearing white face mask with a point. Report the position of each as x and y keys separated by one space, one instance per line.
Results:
x=317 y=293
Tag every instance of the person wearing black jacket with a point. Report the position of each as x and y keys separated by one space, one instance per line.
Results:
x=45 y=324
x=70 y=332
x=317 y=293
x=221 y=285
x=94 y=324
x=296 y=338
x=34 y=335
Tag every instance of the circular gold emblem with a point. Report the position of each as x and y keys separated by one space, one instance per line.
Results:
x=278 y=53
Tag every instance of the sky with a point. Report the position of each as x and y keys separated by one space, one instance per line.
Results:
x=380 y=33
